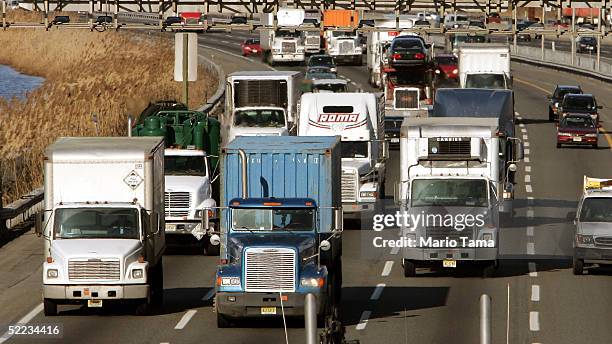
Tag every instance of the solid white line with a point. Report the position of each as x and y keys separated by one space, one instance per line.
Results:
x=527 y=168
x=530 y=213
x=185 y=319
x=209 y=295
x=527 y=178
x=535 y=293
x=226 y=42
x=526 y=159
x=526 y=143
x=525 y=137
x=395 y=250
x=26 y=319
x=378 y=291
x=526 y=151
x=354 y=83
x=530 y=248
x=387 y=269
x=363 y=321
x=528 y=188
x=534 y=321
x=508 y=317
x=532 y=269
x=529 y=230
x=235 y=55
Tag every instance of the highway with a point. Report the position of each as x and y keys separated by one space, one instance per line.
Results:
x=535 y=296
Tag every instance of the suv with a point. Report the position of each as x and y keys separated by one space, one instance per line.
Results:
x=593 y=238
x=408 y=51
x=554 y=100
x=587 y=45
x=580 y=103
x=322 y=61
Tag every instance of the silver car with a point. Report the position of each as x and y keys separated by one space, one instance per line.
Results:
x=593 y=239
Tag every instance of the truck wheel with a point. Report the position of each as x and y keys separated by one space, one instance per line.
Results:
x=50 y=308
x=409 y=269
x=578 y=266
x=223 y=321
x=142 y=307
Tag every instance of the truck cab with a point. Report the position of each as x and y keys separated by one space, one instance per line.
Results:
x=344 y=46
x=279 y=40
x=484 y=65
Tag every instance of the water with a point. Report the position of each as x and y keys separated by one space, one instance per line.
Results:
x=15 y=84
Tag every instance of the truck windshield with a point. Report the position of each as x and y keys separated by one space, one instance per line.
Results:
x=96 y=223
x=288 y=34
x=261 y=219
x=259 y=118
x=329 y=87
x=184 y=166
x=343 y=34
x=596 y=209
x=449 y=192
x=354 y=149
x=490 y=81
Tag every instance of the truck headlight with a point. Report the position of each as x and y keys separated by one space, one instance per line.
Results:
x=312 y=282
x=300 y=50
x=276 y=50
x=584 y=239
x=368 y=194
x=230 y=281
x=52 y=273
x=137 y=273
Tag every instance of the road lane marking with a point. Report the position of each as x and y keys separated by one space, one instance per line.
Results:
x=535 y=293
x=185 y=319
x=526 y=143
x=522 y=125
x=395 y=250
x=508 y=316
x=525 y=137
x=209 y=295
x=387 y=269
x=527 y=178
x=235 y=55
x=527 y=151
x=533 y=272
x=527 y=168
x=530 y=248
x=526 y=159
x=530 y=213
x=377 y=292
x=608 y=137
x=534 y=321
x=532 y=85
x=363 y=321
x=528 y=188
x=530 y=231
x=26 y=319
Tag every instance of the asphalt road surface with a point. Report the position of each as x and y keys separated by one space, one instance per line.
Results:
x=535 y=296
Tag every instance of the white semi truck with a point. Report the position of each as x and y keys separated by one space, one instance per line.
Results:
x=358 y=119
x=451 y=173
x=484 y=65
x=260 y=103
x=344 y=46
x=103 y=222
x=282 y=43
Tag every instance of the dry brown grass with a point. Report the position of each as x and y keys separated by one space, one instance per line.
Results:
x=88 y=74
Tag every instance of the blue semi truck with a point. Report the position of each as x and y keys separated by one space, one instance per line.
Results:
x=281 y=226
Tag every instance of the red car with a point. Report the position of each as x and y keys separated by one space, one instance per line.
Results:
x=250 y=46
x=446 y=66
x=577 y=129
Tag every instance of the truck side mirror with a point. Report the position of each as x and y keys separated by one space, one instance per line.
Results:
x=338 y=219
x=38 y=225
x=154 y=223
x=385 y=152
x=205 y=219
x=325 y=245
x=215 y=240
x=519 y=151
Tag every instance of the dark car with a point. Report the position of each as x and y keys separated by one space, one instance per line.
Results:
x=554 y=101
x=366 y=23
x=577 y=129
x=587 y=45
x=58 y=20
x=322 y=60
x=316 y=73
x=250 y=46
x=477 y=24
x=239 y=20
x=172 y=20
x=579 y=104
x=104 y=20
x=446 y=66
x=422 y=23
x=408 y=51
x=521 y=35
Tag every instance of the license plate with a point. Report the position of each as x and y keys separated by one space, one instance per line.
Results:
x=449 y=263
x=94 y=303
x=170 y=227
x=268 y=310
x=577 y=139
x=395 y=140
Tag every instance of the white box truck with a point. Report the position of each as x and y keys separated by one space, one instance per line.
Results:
x=103 y=222
x=260 y=103
x=285 y=44
x=484 y=65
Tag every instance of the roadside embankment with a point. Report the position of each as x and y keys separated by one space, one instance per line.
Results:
x=93 y=81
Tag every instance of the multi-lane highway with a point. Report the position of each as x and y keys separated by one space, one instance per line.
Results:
x=535 y=296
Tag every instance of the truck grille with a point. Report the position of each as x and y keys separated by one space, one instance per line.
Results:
x=312 y=40
x=453 y=146
x=288 y=47
x=346 y=47
x=94 y=269
x=177 y=203
x=269 y=269
x=603 y=241
x=349 y=186
x=406 y=99
x=441 y=233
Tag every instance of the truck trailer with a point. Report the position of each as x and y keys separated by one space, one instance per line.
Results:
x=103 y=222
x=485 y=65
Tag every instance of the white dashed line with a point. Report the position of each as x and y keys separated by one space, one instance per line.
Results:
x=387 y=269
x=530 y=248
x=377 y=292
x=525 y=137
x=185 y=319
x=533 y=272
x=530 y=231
x=363 y=321
x=528 y=188
x=526 y=159
x=209 y=295
x=354 y=83
x=526 y=151
x=526 y=143
x=26 y=319
x=226 y=42
x=395 y=250
x=527 y=168
x=535 y=293
x=530 y=213
x=527 y=178
x=534 y=321
x=522 y=125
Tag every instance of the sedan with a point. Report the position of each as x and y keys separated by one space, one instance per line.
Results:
x=577 y=129
x=250 y=46
x=323 y=61
x=587 y=45
x=580 y=103
x=172 y=20
x=408 y=51
x=554 y=100
x=58 y=20
x=446 y=66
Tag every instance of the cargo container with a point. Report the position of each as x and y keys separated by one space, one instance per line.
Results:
x=341 y=18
